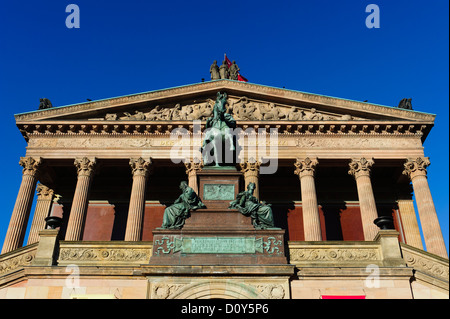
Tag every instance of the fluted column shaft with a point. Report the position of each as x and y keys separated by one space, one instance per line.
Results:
x=434 y=241
x=250 y=169
x=21 y=212
x=140 y=169
x=360 y=169
x=192 y=167
x=43 y=205
x=311 y=220
x=85 y=169
x=409 y=223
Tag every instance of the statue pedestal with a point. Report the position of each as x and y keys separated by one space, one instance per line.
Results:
x=218 y=247
x=218 y=220
x=218 y=186
x=218 y=235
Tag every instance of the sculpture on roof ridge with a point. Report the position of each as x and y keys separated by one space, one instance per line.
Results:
x=214 y=70
x=45 y=104
x=405 y=104
x=225 y=71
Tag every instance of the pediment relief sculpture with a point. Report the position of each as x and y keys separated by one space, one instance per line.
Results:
x=242 y=109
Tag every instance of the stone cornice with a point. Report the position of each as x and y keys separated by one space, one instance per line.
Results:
x=233 y=87
x=300 y=128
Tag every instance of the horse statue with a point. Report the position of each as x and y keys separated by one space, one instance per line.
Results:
x=218 y=131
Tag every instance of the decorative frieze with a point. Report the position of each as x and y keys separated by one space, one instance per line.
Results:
x=308 y=254
x=428 y=264
x=104 y=253
x=17 y=259
x=136 y=142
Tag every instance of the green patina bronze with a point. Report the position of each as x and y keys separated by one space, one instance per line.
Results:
x=248 y=205
x=218 y=245
x=218 y=192
x=175 y=215
x=218 y=134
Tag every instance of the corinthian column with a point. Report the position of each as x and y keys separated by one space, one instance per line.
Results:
x=416 y=170
x=360 y=169
x=42 y=210
x=139 y=168
x=192 y=167
x=85 y=169
x=251 y=174
x=21 y=212
x=311 y=221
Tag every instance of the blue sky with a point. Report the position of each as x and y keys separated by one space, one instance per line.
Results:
x=126 y=47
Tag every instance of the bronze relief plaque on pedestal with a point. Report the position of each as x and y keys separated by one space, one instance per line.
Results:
x=218 y=187
x=218 y=192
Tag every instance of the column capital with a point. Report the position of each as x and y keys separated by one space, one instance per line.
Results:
x=30 y=165
x=305 y=166
x=85 y=166
x=193 y=165
x=360 y=166
x=251 y=166
x=415 y=167
x=44 y=192
x=140 y=166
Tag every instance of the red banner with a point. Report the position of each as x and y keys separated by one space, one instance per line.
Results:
x=240 y=77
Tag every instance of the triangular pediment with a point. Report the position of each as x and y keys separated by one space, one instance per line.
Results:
x=246 y=102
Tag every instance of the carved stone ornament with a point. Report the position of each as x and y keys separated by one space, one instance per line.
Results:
x=85 y=166
x=17 y=260
x=416 y=259
x=80 y=254
x=193 y=166
x=250 y=167
x=333 y=254
x=305 y=166
x=140 y=166
x=271 y=291
x=30 y=165
x=416 y=167
x=360 y=167
x=44 y=193
x=242 y=109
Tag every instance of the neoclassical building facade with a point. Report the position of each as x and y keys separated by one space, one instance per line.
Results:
x=328 y=166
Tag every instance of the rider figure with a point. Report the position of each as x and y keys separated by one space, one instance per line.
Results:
x=219 y=125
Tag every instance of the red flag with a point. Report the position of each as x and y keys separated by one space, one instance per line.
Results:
x=240 y=77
